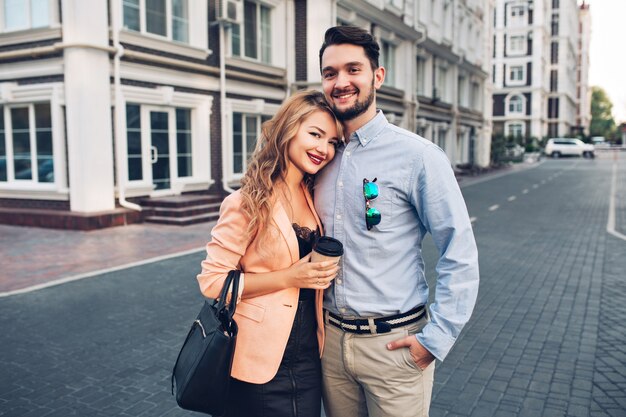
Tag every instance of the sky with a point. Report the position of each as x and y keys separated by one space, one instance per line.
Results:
x=607 y=68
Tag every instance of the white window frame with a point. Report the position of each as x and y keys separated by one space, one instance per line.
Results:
x=245 y=155
x=517 y=45
x=509 y=125
x=166 y=99
x=514 y=97
x=52 y=7
x=169 y=19
x=515 y=76
x=261 y=40
x=517 y=14
x=388 y=59
x=33 y=183
x=255 y=107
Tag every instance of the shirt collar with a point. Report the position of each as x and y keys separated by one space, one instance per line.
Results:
x=368 y=132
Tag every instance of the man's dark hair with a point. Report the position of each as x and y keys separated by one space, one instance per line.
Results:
x=353 y=35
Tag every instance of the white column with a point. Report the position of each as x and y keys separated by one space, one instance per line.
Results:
x=88 y=105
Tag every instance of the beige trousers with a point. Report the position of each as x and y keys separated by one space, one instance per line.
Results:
x=361 y=378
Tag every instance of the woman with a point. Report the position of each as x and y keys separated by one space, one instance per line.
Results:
x=266 y=229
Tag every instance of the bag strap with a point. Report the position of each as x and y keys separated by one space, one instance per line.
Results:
x=229 y=309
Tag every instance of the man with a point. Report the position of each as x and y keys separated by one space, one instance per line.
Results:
x=380 y=195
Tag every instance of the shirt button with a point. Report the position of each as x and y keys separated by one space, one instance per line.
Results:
x=348 y=153
x=343 y=310
x=339 y=282
x=340 y=183
x=339 y=216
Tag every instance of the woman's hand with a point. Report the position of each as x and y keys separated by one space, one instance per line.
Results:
x=315 y=275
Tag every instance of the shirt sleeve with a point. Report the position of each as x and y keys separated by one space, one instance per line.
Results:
x=441 y=208
x=227 y=246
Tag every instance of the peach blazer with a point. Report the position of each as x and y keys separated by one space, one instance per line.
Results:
x=265 y=321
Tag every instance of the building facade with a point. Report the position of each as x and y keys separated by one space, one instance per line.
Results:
x=583 y=89
x=537 y=47
x=105 y=104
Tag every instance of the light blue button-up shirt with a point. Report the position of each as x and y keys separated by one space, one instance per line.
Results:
x=382 y=270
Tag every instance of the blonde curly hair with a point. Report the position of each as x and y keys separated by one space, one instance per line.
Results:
x=268 y=164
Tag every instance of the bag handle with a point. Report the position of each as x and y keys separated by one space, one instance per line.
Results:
x=232 y=278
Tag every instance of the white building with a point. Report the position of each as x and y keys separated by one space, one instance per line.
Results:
x=583 y=90
x=105 y=110
x=537 y=48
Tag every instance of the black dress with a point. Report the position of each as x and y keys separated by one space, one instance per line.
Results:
x=296 y=389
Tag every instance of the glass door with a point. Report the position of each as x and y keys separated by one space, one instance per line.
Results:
x=160 y=149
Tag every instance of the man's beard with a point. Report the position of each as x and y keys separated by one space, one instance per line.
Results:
x=358 y=109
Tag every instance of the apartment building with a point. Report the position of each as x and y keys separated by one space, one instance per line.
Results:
x=583 y=89
x=108 y=108
x=537 y=47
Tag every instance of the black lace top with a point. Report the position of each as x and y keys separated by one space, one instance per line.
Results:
x=306 y=239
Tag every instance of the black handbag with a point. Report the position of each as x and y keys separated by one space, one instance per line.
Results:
x=202 y=370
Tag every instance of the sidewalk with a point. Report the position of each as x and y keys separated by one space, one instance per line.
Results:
x=35 y=256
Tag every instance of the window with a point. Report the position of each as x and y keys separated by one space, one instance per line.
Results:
x=461 y=91
x=554 y=80
x=25 y=14
x=159 y=139
x=475 y=96
x=516 y=129
x=516 y=44
x=516 y=15
x=516 y=73
x=441 y=139
x=388 y=60
x=183 y=142
x=555 y=4
x=167 y=18
x=26 y=143
x=554 y=25
x=516 y=104
x=133 y=142
x=421 y=76
x=246 y=129
x=3 y=149
x=253 y=39
x=553 y=108
x=553 y=129
x=442 y=80
x=554 y=53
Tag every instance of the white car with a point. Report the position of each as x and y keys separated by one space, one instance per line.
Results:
x=558 y=147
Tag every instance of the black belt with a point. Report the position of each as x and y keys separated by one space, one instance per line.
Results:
x=381 y=324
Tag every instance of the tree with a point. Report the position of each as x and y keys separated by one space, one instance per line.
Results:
x=602 y=122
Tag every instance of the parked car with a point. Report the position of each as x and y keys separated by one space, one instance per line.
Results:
x=557 y=147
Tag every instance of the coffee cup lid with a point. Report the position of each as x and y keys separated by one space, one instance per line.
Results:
x=328 y=246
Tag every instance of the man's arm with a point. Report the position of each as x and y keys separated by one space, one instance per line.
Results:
x=441 y=208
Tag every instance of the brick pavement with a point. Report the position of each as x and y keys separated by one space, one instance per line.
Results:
x=34 y=256
x=541 y=326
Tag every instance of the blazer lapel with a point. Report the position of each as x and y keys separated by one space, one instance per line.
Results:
x=286 y=229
